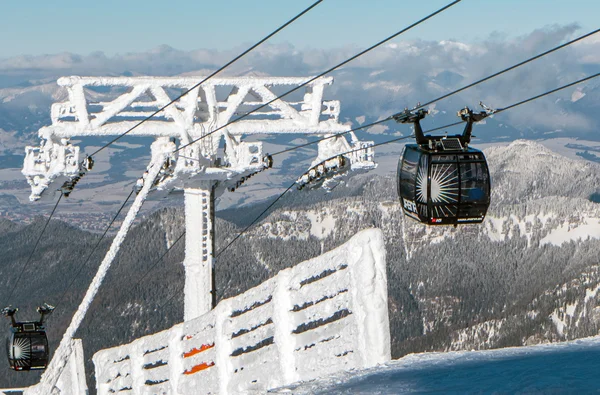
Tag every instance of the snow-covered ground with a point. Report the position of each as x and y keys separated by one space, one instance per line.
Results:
x=570 y=367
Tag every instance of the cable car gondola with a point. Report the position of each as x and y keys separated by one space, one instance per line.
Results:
x=441 y=180
x=27 y=344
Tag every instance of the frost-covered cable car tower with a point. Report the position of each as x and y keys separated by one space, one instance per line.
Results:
x=197 y=168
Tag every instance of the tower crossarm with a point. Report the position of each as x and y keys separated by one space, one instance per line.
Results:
x=109 y=106
x=179 y=114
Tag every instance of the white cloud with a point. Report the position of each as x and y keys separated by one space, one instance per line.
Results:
x=388 y=79
x=378 y=129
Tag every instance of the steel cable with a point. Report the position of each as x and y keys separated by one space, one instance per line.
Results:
x=447 y=94
x=37 y=242
x=60 y=300
x=325 y=72
x=210 y=76
x=384 y=143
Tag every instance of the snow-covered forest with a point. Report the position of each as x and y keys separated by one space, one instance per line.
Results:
x=529 y=274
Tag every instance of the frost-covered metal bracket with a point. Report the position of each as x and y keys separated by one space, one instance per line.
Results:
x=99 y=106
x=53 y=162
x=339 y=157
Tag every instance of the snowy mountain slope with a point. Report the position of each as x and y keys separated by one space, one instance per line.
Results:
x=570 y=367
x=472 y=287
x=526 y=170
x=525 y=276
x=23 y=110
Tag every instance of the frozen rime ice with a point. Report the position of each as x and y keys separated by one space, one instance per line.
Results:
x=63 y=352
x=320 y=317
x=341 y=328
x=216 y=103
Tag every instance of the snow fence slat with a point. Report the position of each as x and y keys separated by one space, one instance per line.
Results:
x=323 y=311
x=202 y=382
x=199 y=329
x=198 y=343
x=159 y=389
x=121 y=382
x=252 y=338
x=245 y=301
x=200 y=371
x=338 y=329
x=114 y=374
x=260 y=315
x=156 y=375
x=125 y=392
x=198 y=334
x=157 y=357
x=252 y=359
x=314 y=267
x=118 y=383
x=326 y=290
x=205 y=357
x=159 y=340
x=333 y=283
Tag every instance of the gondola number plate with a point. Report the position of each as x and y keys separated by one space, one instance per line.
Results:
x=409 y=205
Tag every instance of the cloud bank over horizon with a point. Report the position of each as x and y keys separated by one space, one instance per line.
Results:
x=398 y=74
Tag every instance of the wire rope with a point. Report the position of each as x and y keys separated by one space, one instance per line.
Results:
x=388 y=142
x=328 y=137
x=37 y=242
x=168 y=300
x=431 y=15
x=286 y=93
x=447 y=94
x=60 y=300
x=133 y=287
x=210 y=76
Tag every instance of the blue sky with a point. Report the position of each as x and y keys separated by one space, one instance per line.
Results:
x=42 y=27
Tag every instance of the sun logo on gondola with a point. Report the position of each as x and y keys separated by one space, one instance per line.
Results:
x=20 y=351
x=422 y=183
x=444 y=184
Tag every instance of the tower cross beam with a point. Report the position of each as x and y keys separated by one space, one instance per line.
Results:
x=217 y=102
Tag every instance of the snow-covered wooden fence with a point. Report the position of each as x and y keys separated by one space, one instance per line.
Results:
x=324 y=315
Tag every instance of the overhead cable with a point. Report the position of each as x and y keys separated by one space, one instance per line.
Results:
x=548 y=92
x=210 y=76
x=132 y=287
x=325 y=72
x=405 y=137
x=74 y=277
x=447 y=94
x=360 y=149
x=37 y=242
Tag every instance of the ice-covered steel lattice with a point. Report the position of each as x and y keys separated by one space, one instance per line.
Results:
x=110 y=106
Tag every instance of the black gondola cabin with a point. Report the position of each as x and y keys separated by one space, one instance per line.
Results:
x=27 y=344
x=27 y=347
x=442 y=181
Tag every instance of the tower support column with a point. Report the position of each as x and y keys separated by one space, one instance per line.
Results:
x=199 y=295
